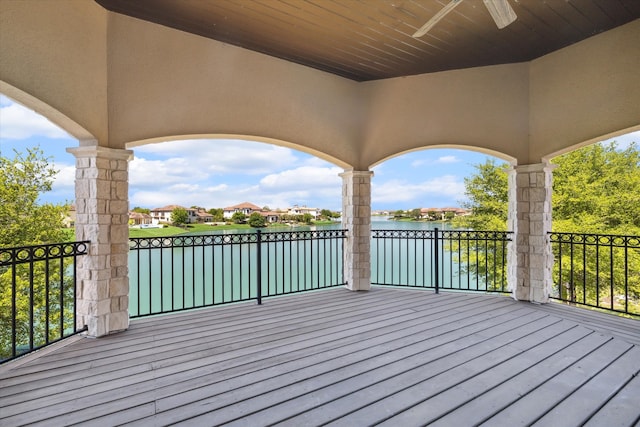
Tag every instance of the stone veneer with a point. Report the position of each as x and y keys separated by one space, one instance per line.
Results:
x=530 y=259
x=356 y=219
x=102 y=206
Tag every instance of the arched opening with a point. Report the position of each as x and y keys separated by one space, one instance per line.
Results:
x=430 y=177
x=37 y=216
x=425 y=228
x=213 y=199
x=22 y=129
x=596 y=224
x=217 y=171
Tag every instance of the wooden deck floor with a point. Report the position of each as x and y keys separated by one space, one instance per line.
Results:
x=390 y=356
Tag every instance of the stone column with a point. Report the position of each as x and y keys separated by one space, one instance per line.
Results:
x=356 y=219
x=530 y=259
x=102 y=205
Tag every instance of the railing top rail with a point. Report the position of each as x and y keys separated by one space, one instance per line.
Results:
x=596 y=239
x=443 y=234
x=226 y=239
x=302 y=235
x=25 y=254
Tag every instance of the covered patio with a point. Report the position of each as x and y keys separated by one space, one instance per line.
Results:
x=388 y=356
x=347 y=82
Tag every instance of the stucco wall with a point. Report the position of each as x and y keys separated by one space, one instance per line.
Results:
x=53 y=60
x=482 y=107
x=121 y=80
x=586 y=91
x=164 y=82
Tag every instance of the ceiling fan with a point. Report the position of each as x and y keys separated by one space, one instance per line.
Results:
x=500 y=11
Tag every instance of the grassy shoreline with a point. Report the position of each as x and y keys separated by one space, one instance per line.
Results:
x=200 y=228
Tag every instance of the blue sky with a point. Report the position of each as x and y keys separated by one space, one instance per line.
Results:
x=219 y=173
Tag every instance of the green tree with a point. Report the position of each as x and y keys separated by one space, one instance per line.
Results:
x=239 y=218
x=306 y=218
x=23 y=221
x=141 y=210
x=487 y=192
x=415 y=214
x=398 y=214
x=597 y=190
x=218 y=214
x=257 y=220
x=179 y=217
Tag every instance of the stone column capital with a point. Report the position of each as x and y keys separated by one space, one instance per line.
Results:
x=102 y=152
x=350 y=173
x=535 y=167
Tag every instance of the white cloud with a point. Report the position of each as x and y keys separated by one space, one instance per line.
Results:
x=395 y=191
x=143 y=172
x=447 y=159
x=303 y=178
x=66 y=176
x=223 y=156
x=311 y=186
x=18 y=122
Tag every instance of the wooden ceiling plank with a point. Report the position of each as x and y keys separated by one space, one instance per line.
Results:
x=371 y=39
x=571 y=16
x=593 y=13
x=305 y=46
x=375 y=51
x=375 y=36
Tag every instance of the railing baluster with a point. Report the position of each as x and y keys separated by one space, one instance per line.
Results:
x=31 y=270
x=436 y=253
x=259 y=265
x=591 y=286
x=231 y=258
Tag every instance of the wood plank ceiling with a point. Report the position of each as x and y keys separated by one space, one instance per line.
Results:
x=372 y=39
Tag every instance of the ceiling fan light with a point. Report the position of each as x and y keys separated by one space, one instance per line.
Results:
x=501 y=12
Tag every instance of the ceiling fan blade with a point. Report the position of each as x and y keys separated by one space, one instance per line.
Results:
x=437 y=17
x=501 y=12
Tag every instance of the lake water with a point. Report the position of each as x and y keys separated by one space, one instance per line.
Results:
x=222 y=267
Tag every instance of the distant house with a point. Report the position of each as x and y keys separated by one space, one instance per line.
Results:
x=301 y=210
x=69 y=220
x=138 y=218
x=203 y=216
x=441 y=213
x=194 y=215
x=245 y=208
x=163 y=214
x=271 y=216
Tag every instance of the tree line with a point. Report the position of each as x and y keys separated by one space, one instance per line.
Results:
x=596 y=191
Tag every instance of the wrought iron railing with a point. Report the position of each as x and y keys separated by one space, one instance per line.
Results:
x=168 y=274
x=440 y=259
x=597 y=270
x=37 y=296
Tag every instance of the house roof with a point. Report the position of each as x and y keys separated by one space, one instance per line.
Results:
x=167 y=208
x=245 y=205
x=139 y=215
